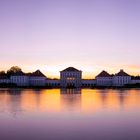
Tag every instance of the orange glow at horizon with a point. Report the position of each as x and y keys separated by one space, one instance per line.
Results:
x=88 y=72
x=91 y=36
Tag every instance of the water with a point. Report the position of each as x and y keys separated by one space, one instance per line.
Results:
x=69 y=114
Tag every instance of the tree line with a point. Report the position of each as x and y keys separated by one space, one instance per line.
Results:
x=12 y=70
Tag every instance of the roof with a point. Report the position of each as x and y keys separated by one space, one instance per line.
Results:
x=122 y=73
x=37 y=73
x=20 y=73
x=71 y=69
x=104 y=74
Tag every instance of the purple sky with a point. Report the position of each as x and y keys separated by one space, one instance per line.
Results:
x=51 y=35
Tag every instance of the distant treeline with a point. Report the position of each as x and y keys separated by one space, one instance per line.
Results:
x=12 y=70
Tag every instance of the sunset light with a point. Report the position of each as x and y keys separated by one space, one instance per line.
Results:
x=69 y=69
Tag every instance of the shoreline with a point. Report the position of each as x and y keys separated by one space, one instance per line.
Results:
x=102 y=88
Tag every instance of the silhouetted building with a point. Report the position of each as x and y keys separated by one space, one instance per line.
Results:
x=32 y=79
x=104 y=79
x=37 y=78
x=121 y=78
x=20 y=79
x=53 y=83
x=71 y=77
x=88 y=83
x=4 y=79
x=118 y=80
x=135 y=80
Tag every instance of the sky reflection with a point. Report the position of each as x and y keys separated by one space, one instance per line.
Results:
x=68 y=114
x=59 y=101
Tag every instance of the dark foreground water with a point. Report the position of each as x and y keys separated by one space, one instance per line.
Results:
x=69 y=115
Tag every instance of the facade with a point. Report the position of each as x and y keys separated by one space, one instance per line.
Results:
x=53 y=83
x=37 y=78
x=135 y=80
x=71 y=77
x=20 y=79
x=32 y=79
x=118 y=80
x=4 y=79
x=121 y=79
x=88 y=83
x=104 y=79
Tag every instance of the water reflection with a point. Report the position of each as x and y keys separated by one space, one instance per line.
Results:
x=103 y=97
x=69 y=114
x=70 y=99
x=119 y=97
x=16 y=101
x=70 y=91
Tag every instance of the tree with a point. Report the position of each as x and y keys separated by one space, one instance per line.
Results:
x=13 y=70
x=2 y=73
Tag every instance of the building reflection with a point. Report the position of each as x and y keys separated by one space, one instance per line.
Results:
x=70 y=99
x=18 y=102
x=3 y=100
x=31 y=100
x=14 y=102
x=122 y=97
x=104 y=97
x=115 y=99
x=14 y=91
x=71 y=91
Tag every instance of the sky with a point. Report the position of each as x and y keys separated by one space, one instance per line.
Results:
x=50 y=35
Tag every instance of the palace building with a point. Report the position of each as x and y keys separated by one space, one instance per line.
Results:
x=71 y=77
x=104 y=79
x=121 y=78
